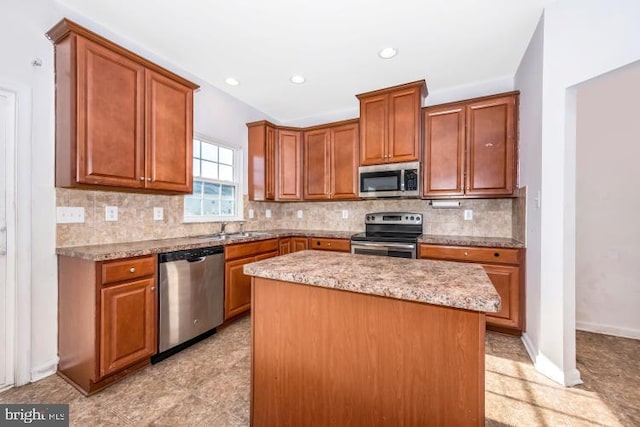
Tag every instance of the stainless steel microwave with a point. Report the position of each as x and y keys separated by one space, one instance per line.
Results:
x=389 y=180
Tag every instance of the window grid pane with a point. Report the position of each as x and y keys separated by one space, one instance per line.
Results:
x=212 y=163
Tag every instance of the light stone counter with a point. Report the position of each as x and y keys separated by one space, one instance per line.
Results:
x=491 y=242
x=450 y=284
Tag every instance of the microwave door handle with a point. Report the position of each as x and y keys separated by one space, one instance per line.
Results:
x=402 y=180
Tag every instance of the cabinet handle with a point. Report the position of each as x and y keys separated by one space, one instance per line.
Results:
x=466 y=253
x=132 y=270
x=329 y=244
x=148 y=179
x=153 y=288
x=142 y=178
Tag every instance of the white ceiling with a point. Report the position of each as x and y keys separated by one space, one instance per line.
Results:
x=333 y=43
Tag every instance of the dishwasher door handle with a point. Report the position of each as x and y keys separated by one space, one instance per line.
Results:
x=199 y=259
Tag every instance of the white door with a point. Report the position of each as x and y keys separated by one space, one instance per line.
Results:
x=7 y=302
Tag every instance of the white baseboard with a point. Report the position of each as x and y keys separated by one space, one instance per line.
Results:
x=44 y=370
x=549 y=369
x=608 y=330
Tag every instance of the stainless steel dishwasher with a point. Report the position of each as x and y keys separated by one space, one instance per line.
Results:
x=190 y=297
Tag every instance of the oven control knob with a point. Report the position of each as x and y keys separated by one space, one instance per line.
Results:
x=412 y=218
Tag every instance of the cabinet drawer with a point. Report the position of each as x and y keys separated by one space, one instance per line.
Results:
x=339 y=245
x=250 y=249
x=471 y=254
x=130 y=268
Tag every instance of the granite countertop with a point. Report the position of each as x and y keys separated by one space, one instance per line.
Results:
x=492 y=242
x=450 y=284
x=147 y=247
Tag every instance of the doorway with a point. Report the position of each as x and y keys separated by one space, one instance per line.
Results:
x=7 y=237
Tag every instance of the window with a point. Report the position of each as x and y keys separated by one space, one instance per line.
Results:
x=216 y=172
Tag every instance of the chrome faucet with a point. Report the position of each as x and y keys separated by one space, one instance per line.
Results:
x=223 y=225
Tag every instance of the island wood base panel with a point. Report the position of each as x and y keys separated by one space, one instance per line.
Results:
x=325 y=357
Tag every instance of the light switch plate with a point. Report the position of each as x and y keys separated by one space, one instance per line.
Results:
x=267 y=213
x=158 y=214
x=69 y=215
x=468 y=214
x=251 y=214
x=110 y=213
x=345 y=214
x=299 y=214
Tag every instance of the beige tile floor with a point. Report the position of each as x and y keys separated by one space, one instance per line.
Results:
x=208 y=385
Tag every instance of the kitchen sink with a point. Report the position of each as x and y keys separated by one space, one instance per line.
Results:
x=249 y=234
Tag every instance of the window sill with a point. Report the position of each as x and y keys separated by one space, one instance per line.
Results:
x=196 y=219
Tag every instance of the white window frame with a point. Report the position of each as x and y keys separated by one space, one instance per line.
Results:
x=238 y=168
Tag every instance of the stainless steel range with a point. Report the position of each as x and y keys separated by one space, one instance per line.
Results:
x=389 y=234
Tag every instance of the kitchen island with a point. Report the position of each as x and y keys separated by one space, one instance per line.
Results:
x=342 y=339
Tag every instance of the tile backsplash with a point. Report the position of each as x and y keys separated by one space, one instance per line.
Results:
x=491 y=217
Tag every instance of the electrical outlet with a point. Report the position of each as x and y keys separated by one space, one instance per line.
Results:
x=69 y=215
x=468 y=214
x=267 y=213
x=299 y=214
x=110 y=213
x=158 y=214
x=251 y=213
x=345 y=214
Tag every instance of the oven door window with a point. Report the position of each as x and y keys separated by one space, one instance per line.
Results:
x=380 y=181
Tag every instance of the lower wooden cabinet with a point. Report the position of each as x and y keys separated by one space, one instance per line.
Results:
x=299 y=244
x=237 y=285
x=325 y=244
x=505 y=268
x=106 y=319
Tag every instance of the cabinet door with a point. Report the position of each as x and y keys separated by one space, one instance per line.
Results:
x=317 y=164
x=289 y=165
x=110 y=115
x=169 y=134
x=270 y=163
x=491 y=147
x=404 y=125
x=127 y=324
x=237 y=287
x=444 y=143
x=344 y=162
x=284 y=246
x=506 y=281
x=373 y=130
x=299 y=244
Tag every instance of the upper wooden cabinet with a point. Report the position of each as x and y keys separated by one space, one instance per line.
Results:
x=122 y=122
x=390 y=124
x=331 y=162
x=262 y=157
x=275 y=162
x=470 y=148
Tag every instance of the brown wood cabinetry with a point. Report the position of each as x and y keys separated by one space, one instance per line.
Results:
x=237 y=285
x=505 y=268
x=284 y=245
x=390 y=124
x=299 y=244
x=325 y=244
x=275 y=162
x=122 y=122
x=330 y=166
x=470 y=148
x=106 y=319
x=288 y=164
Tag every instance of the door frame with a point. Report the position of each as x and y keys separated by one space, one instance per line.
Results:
x=18 y=205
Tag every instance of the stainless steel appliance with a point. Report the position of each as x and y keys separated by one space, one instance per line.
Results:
x=191 y=297
x=389 y=234
x=390 y=180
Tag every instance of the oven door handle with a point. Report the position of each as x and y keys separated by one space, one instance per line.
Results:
x=385 y=245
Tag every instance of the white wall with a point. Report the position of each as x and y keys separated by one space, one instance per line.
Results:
x=607 y=203
x=582 y=39
x=24 y=24
x=528 y=81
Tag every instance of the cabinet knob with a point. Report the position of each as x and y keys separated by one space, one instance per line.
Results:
x=153 y=288
x=148 y=179
x=329 y=244
x=466 y=253
x=132 y=270
x=497 y=254
x=142 y=178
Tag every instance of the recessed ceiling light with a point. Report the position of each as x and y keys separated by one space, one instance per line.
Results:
x=388 y=52
x=231 y=81
x=297 y=79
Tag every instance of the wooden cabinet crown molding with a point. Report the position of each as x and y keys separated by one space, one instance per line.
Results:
x=418 y=83
x=65 y=27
